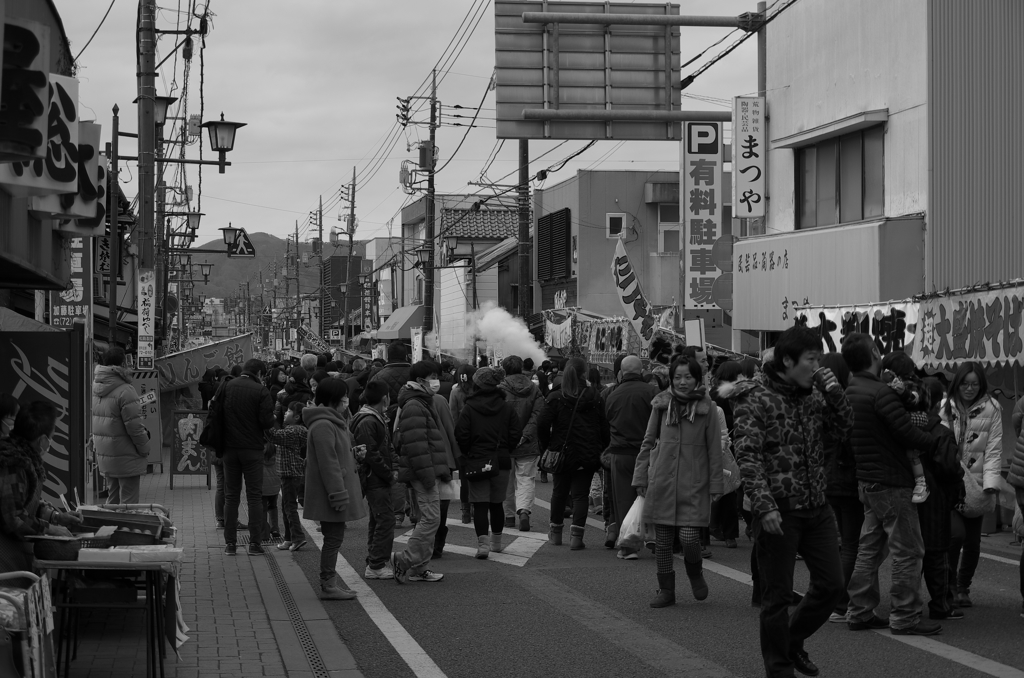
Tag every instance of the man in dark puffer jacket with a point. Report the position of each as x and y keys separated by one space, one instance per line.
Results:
x=423 y=460
x=882 y=434
x=396 y=373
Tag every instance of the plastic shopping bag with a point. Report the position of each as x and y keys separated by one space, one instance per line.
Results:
x=631 y=532
x=976 y=502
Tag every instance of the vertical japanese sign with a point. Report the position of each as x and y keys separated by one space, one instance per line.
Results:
x=416 y=334
x=188 y=457
x=148 y=381
x=74 y=302
x=701 y=202
x=748 y=153
x=147 y=318
x=631 y=296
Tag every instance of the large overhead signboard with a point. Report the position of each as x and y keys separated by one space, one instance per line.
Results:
x=559 y=70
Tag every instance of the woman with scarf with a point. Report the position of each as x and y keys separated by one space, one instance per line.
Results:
x=679 y=472
x=120 y=437
x=22 y=474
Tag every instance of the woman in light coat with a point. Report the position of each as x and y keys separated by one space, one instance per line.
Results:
x=679 y=473
x=975 y=418
x=119 y=436
x=333 y=495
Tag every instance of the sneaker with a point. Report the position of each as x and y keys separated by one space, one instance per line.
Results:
x=524 y=521
x=510 y=521
x=922 y=628
x=275 y=535
x=426 y=575
x=220 y=524
x=284 y=546
x=399 y=519
x=920 y=491
x=963 y=599
x=837 y=617
x=230 y=550
x=399 y=569
x=296 y=545
x=953 y=615
x=874 y=623
x=730 y=543
x=256 y=550
x=627 y=554
x=803 y=664
x=385 y=572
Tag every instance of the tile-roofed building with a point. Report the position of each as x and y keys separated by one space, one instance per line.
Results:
x=485 y=223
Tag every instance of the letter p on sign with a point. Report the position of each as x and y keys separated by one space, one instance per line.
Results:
x=702 y=138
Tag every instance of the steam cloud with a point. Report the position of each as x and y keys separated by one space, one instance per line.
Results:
x=507 y=334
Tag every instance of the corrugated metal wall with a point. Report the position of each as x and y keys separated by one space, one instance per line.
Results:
x=976 y=138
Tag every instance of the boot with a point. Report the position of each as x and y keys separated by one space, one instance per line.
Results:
x=576 y=538
x=482 y=548
x=496 y=545
x=695 y=572
x=555 y=534
x=329 y=590
x=666 y=590
x=611 y=535
x=467 y=518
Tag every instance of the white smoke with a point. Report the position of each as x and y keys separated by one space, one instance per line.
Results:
x=430 y=343
x=504 y=333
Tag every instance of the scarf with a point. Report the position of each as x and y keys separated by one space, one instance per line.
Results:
x=684 y=405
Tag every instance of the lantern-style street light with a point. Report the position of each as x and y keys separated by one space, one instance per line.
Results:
x=222 y=136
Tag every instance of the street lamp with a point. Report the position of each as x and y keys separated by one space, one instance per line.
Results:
x=423 y=254
x=204 y=270
x=222 y=136
x=160 y=106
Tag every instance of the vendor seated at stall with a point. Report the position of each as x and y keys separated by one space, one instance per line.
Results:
x=22 y=474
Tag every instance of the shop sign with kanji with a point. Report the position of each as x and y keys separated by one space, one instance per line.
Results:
x=147 y=318
x=977 y=326
x=749 y=154
x=892 y=325
x=701 y=203
x=74 y=302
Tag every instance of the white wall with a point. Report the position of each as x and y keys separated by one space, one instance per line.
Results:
x=829 y=60
x=452 y=309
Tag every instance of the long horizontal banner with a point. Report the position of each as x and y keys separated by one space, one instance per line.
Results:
x=979 y=326
x=187 y=367
x=892 y=325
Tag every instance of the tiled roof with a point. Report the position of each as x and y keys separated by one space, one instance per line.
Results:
x=487 y=223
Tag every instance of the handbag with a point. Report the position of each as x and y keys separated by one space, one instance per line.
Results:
x=212 y=435
x=449 y=491
x=554 y=461
x=480 y=469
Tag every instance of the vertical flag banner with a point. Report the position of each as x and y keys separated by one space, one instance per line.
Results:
x=631 y=296
x=147 y=319
x=748 y=157
x=701 y=202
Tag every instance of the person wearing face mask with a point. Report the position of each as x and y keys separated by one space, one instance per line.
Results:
x=9 y=407
x=22 y=474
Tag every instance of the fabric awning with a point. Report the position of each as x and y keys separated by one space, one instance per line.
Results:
x=397 y=326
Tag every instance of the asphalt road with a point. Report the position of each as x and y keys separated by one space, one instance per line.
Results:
x=585 y=613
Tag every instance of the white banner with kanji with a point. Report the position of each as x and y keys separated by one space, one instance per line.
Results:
x=635 y=305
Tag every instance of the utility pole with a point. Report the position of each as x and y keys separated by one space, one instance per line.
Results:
x=298 y=294
x=115 y=233
x=428 y=271
x=320 y=253
x=147 y=127
x=525 y=278
x=348 y=261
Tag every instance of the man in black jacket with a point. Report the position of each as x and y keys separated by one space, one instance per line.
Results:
x=882 y=434
x=248 y=415
x=372 y=433
x=628 y=408
x=396 y=373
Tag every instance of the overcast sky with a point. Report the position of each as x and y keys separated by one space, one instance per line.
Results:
x=317 y=81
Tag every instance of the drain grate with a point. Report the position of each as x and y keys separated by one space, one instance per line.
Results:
x=316 y=663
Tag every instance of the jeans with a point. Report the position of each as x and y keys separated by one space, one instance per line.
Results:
x=965 y=535
x=420 y=546
x=334 y=534
x=891 y=524
x=290 y=486
x=398 y=502
x=218 y=495
x=849 y=514
x=623 y=492
x=522 y=486
x=380 y=537
x=123 y=490
x=575 y=484
x=812 y=534
x=239 y=464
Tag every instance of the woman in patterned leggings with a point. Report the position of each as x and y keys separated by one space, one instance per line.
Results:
x=679 y=472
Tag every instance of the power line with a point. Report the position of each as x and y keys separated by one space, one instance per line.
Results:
x=102 y=21
x=464 y=136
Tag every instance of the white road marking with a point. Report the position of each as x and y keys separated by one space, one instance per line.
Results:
x=1000 y=559
x=405 y=645
x=517 y=552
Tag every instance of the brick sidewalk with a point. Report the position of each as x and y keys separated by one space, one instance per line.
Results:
x=230 y=630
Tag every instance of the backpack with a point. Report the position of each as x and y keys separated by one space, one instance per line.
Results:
x=213 y=431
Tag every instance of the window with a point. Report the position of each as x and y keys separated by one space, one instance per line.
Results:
x=841 y=180
x=668 y=228
x=554 y=233
x=614 y=224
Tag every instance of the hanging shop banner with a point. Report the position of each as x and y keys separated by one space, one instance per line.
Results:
x=892 y=325
x=701 y=201
x=978 y=326
x=147 y=318
x=558 y=336
x=74 y=302
x=416 y=334
x=610 y=338
x=182 y=369
x=90 y=194
x=748 y=152
x=147 y=385
x=188 y=457
x=631 y=295
x=23 y=113
x=57 y=172
x=313 y=341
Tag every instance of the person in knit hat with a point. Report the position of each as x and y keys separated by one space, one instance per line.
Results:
x=487 y=432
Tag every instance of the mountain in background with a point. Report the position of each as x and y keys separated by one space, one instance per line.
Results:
x=228 y=273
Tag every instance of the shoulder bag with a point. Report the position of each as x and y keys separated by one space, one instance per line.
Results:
x=554 y=461
x=213 y=430
x=481 y=468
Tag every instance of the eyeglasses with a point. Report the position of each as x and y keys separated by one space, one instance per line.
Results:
x=966 y=385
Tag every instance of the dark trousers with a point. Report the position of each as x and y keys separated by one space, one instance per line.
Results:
x=725 y=516
x=218 y=495
x=239 y=464
x=812 y=534
x=849 y=514
x=270 y=522
x=574 y=485
x=442 y=528
x=381 y=529
x=484 y=510
x=334 y=534
x=935 y=570
x=965 y=538
x=623 y=492
x=290 y=487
